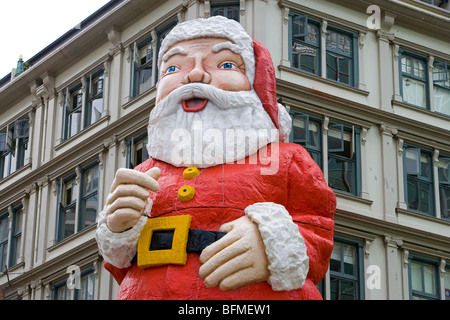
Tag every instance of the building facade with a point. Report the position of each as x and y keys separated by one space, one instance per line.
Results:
x=367 y=84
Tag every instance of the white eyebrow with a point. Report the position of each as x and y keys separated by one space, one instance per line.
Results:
x=226 y=45
x=173 y=51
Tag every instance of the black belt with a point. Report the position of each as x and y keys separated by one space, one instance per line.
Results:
x=198 y=239
x=167 y=240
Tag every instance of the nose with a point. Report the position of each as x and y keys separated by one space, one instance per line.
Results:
x=198 y=73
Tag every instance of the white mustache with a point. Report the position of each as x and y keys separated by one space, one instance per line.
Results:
x=221 y=98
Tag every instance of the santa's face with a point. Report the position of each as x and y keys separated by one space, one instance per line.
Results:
x=213 y=61
x=206 y=111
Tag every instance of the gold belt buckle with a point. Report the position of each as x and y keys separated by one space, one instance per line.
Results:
x=177 y=254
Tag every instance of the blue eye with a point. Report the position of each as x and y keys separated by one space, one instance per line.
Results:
x=172 y=69
x=228 y=66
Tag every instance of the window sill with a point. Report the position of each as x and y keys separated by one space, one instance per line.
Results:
x=82 y=132
x=323 y=80
x=424 y=111
x=352 y=197
x=17 y=172
x=149 y=92
x=72 y=237
x=422 y=216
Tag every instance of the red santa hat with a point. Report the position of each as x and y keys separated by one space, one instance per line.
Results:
x=258 y=62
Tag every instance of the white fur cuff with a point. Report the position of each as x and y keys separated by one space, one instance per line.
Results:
x=118 y=248
x=285 y=246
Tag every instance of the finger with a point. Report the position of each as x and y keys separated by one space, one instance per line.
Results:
x=154 y=172
x=127 y=190
x=238 y=279
x=130 y=176
x=126 y=202
x=227 y=227
x=227 y=269
x=220 y=258
x=122 y=219
x=219 y=245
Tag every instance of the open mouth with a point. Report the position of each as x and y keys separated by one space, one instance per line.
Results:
x=194 y=104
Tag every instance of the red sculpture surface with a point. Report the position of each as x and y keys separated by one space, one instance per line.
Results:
x=271 y=202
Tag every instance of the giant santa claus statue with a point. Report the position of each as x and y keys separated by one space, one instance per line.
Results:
x=221 y=209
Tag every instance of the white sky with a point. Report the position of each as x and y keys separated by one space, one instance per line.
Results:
x=28 y=26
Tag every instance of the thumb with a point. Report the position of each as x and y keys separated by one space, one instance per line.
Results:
x=154 y=172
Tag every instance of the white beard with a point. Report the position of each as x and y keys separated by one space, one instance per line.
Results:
x=232 y=126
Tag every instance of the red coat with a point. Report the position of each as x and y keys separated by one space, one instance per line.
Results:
x=222 y=193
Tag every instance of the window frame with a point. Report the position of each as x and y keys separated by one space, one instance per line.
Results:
x=16 y=235
x=159 y=33
x=353 y=75
x=14 y=142
x=77 y=203
x=60 y=225
x=358 y=278
x=69 y=110
x=81 y=221
x=137 y=68
x=428 y=261
x=99 y=73
x=315 y=46
x=323 y=50
x=441 y=84
x=310 y=148
x=355 y=161
x=444 y=186
x=4 y=242
x=424 y=59
x=131 y=142
x=418 y=178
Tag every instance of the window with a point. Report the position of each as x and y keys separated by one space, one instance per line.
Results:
x=3 y=239
x=143 y=66
x=423 y=278
x=94 y=97
x=343 y=152
x=14 y=147
x=444 y=185
x=419 y=180
x=83 y=289
x=144 y=56
x=16 y=235
x=345 y=271
x=340 y=56
x=307 y=132
x=87 y=100
x=137 y=150
x=67 y=207
x=226 y=9
x=305 y=44
x=73 y=107
x=78 y=203
x=441 y=87
x=343 y=165
x=414 y=79
x=339 y=52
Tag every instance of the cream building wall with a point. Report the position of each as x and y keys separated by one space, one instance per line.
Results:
x=375 y=220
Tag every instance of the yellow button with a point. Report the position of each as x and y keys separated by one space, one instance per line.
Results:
x=186 y=193
x=190 y=172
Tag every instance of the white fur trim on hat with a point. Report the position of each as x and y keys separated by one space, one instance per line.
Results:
x=217 y=26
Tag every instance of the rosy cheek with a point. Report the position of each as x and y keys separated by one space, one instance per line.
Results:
x=230 y=80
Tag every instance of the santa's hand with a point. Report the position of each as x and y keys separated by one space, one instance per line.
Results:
x=128 y=196
x=237 y=259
